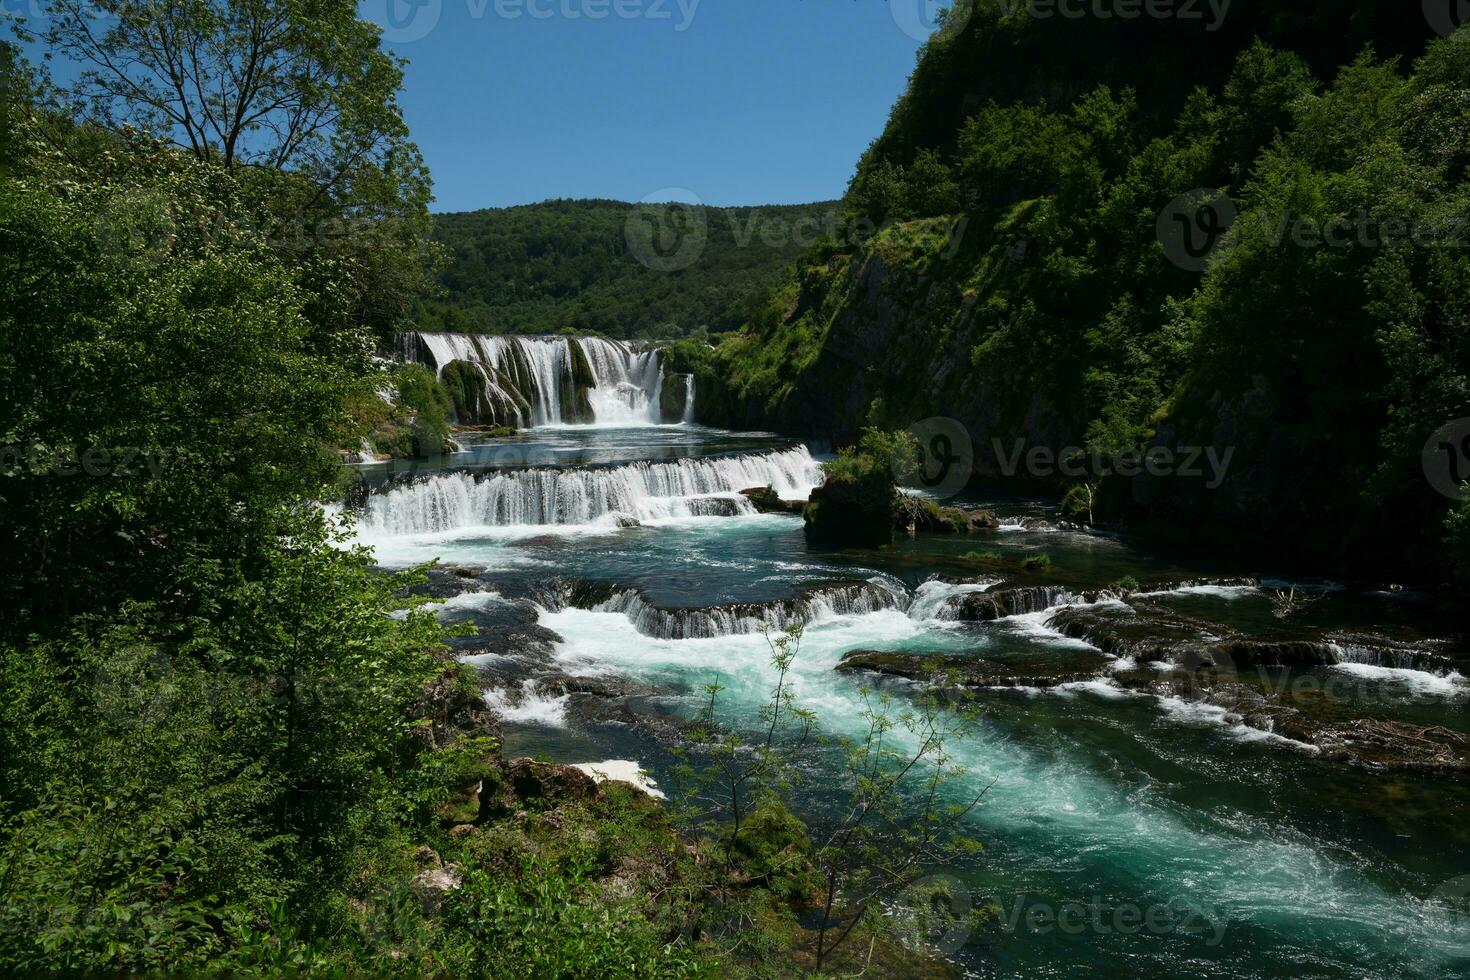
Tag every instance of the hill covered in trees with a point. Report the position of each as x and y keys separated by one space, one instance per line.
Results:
x=1024 y=281
x=624 y=270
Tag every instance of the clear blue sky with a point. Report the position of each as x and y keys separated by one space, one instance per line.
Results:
x=751 y=102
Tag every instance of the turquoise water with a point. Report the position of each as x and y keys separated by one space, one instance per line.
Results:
x=1171 y=839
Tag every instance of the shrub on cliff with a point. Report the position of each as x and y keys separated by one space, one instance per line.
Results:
x=855 y=505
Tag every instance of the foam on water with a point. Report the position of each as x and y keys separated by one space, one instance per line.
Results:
x=1420 y=682
x=1214 y=591
x=528 y=706
x=931 y=599
x=1202 y=713
x=464 y=600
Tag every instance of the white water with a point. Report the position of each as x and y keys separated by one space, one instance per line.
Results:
x=570 y=497
x=622 y=770
x=464 y=600
x=1248 y=872
x=689 y=402
x=1420 y=682
x=626 y=378
x=528 y=706
x=817 y=606
x=932 y=599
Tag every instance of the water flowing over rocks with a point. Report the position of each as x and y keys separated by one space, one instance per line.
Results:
x=533 y=381
x=811 y=605
x=960 y=671
x=645 y=491
x=998 y=604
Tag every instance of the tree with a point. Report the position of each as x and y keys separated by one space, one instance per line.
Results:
x=902 y=816
x=295 y=92
x=298 y=85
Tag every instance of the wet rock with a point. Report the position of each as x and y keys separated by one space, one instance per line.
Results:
x=1144 y=633
x=597 y=687
x=1246 y=652
x=986 y=606
x=1379 y=743
x=640 y=714
x=972 y=671
x=917 y=514
x=767 y=501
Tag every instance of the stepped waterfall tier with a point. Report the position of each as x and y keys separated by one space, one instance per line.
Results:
x=644 y=491
x=537 y=381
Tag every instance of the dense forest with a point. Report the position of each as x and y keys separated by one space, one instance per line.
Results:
x=655 y=271
x=1019 y=282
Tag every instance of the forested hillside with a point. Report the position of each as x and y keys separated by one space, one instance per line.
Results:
x=1021 y=285
x=624 y=270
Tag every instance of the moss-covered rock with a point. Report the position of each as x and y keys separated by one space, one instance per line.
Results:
x=848 y=512
x=576 y=406
x=767 y=501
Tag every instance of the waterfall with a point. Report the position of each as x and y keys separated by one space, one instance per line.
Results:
x=813 y=606
x=689 y=401
x=645 y=491
x=537 y=381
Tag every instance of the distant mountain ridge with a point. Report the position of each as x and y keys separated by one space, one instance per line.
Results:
x=661 y=271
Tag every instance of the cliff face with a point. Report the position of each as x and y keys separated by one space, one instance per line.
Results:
x=1018 y=281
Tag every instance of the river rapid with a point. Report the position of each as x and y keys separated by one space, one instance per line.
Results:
x=1142 y=821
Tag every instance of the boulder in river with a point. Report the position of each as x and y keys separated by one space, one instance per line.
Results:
x=767 y=501
x=855 y=513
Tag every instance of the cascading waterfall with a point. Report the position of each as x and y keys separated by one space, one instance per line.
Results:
x=689 y=401
x=645 y=491
x=816 y=605
x=539 y=381
x=936 y=598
